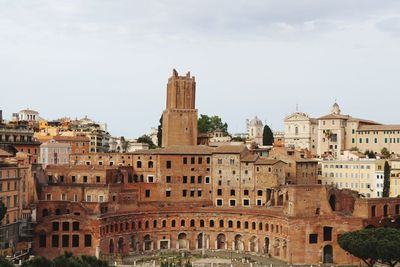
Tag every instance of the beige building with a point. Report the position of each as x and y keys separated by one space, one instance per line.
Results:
x=364 y=175
x=53 y=152
x=255 y=129
x=394 y=178
x=301 y=132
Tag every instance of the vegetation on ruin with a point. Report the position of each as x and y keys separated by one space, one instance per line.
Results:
x=268 y=136
x=5 y=263
x=147 y=140
x=66 y=260
x=208 y=124
x=385 y=153
x=370 y=154
x=3 y=210
x=373 y=245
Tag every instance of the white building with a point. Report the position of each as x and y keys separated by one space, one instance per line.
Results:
x=362 y=175
x=255 y=129
x=54 y=153
x=301 y=132
x=28 y=115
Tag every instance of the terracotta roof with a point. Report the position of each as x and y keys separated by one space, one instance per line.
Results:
x=250 y=158
x=307 y=161
x=71 y=138
x=4 y=153
x=384 y=127
x=178 y=150
x=230 y=149
x=265 y=161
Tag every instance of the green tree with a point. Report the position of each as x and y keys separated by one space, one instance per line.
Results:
x=207 y=124
x=5 y=263
x=373 y=245
x=3 y=210
x=38 y=262
x=268 y=136
x=370 y=154
x=385 y=152
x=147 y=140
x=386 y=180
x=159 y=132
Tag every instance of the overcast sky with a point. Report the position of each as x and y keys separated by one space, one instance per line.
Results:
x=111 y=59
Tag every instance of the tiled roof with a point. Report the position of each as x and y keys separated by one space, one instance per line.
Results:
x=230 y=149
x=4 y=153
x=384 y=127
x=250 y=158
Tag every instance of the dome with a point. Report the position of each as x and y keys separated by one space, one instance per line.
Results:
x=255 y=122
x=335 y=109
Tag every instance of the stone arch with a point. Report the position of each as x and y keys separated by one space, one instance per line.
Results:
x=111 y=246
x=328 y=254
x=147 y=243
x=238 y=243
x=200 y=241
x=266 y=245
x=221 y=241
x=182 y=241
x=253 y=244
x=120 y=245
x=385 y=210
x=134 y=243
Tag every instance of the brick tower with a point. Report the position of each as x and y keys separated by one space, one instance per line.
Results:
x=180 y=116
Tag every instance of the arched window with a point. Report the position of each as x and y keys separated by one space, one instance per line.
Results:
x=192 y=223
x=246 y=225
x=173 y=223
x=139 y=164
x=155 y=224
x=332 y=202
x=221 y=223
x=230 y=224
x=385 y=210
x=146 y=224
x=182 y=223
x=232 y=192
x=260 y=226
x=296 y=130
x=211 y=223
x=150 y=164
x=133 y=226
x=253 y=225
x=164 y=223
x=238 y=225
x=58 y=212
x=201 y=223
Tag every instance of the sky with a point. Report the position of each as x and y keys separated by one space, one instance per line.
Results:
x=110 y=60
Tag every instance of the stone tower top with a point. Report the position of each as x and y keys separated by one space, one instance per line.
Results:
x=181 y=91
x=335 y=109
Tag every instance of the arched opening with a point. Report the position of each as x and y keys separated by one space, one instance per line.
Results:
x=150 y=164
x=134 y=243
x=45 y=212
x=182 y=241
x=200 y=241
x=120 y=245
x=328 y=254
x=139 y=164
x=332 y=202
x=238 y=243
x=221 y=240
x=148 y=243
x=266 y=245
x=385 y=210
x=253 y=244
x=111 y=247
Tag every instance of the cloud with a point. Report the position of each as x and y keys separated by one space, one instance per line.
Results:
x=390 y=25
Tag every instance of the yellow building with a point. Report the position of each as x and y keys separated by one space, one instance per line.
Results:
x=395 y=178
x=362 y=175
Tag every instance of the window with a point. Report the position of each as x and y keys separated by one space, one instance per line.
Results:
x=192 y=223
x=183 y=223
x=212 y=223
x=219 y=192
x=328 y=233
x=73 y=179
x=85 y=179
x=221 y=223
x=200 y=160
x=42 y=240
x=147 y=193
x=219 y=202
x=168 y=193
x=201 y=223
x=88 y=240
x=65 y=241
x=373 y=211
x=184 y=160
x=184 y=179
x=65 y=226
x=259 y=202
x=168 y=179
x=54 y=241
x=246 y=202
x=97 y=179
x=169 y=164
x=173 y=223
x=232 y=202
x=232 y=192
x=75 y=226
x=61 y=179
x=208 y=160
x=192 y=160
x=56 y=226
x=259 y=193
x=199 y=193
x=184 y=193
x=150 y=179
x=207 y=179
x=230 y=224
x=139 y=164
x=246 y=192
x=200 y=179
x=191 y=193
x=313 y=239
x=192 y=178
x=75 y=241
